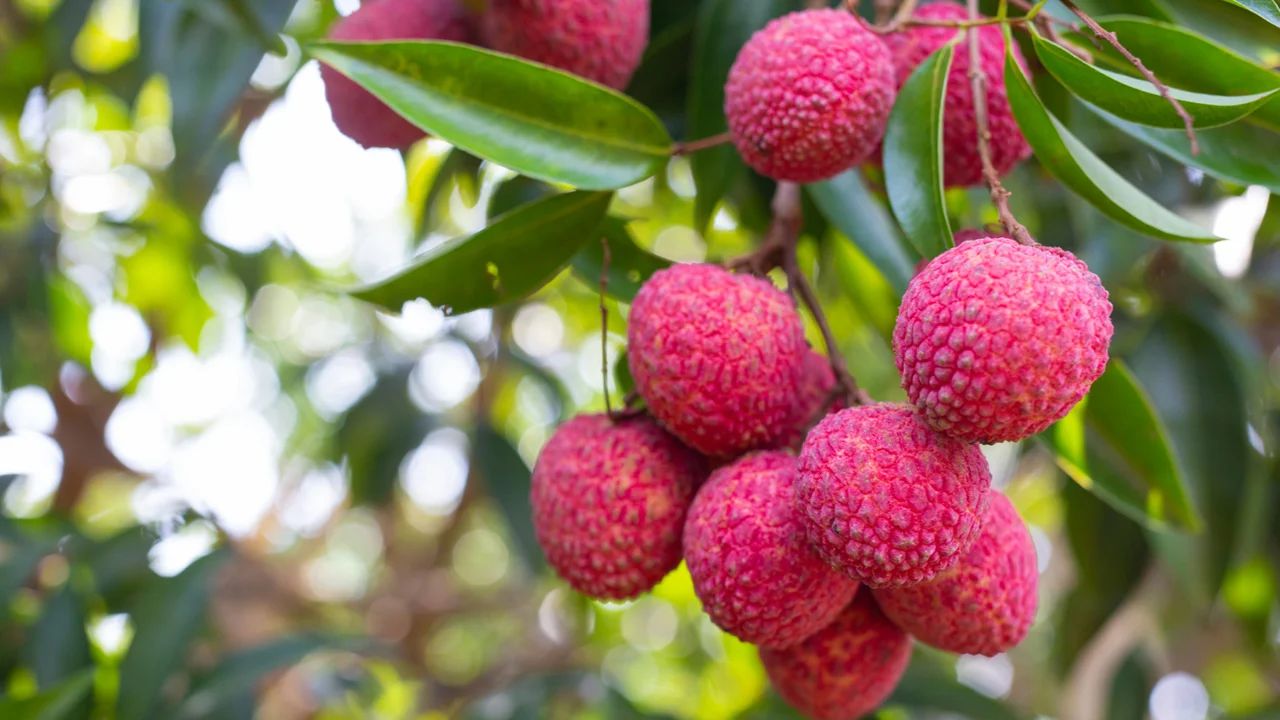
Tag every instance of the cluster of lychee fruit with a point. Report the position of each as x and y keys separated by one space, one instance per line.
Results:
x=995 y=341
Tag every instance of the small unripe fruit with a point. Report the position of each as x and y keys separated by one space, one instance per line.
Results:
x=845 y=670
x=888 y=500
x=808 y=95
x=357 y=113
x=717 y=356
x=751 y=565
x=962 y=165
x=984 y=604
x=996 y=341
x=609 y=502
x=600 y=40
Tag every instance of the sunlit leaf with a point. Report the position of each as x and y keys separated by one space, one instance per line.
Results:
x=859 y=216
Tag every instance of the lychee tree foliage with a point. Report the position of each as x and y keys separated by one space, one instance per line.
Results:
x=921 y=227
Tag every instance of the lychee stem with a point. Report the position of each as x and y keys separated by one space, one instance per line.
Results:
x=693 y=146
x=606 y=256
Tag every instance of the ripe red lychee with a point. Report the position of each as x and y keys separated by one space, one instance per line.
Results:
x=982 y=605
x=751 y=565
x=609 y=502
x=963 y=236
x=888 y=500
x=717 y=357
x=600 y=40
x=808 y=95
x=845 y=670
x=996 y=341
x=962 y=164
x=357 y=113
x=813 y=396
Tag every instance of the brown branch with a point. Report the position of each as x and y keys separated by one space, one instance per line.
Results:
x=1188 y=122
x=604 y=323
x=899 y=18
x=693 y=146
x=999 y=194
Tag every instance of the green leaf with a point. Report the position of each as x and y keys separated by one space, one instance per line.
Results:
x=459 y=170
x=1265 y=9
x=376 y=434
x=1114 y=445
x=629 y=264
x=507 y=479
x=913 y=155
x=849 y=206
x=723 y=27
x=928 y=686
x=1077 y=167
x=517 y=191
x=1138 y=100
x=58 y=645
x=1130 y=688
x=513 y=257
x=64 y=702
x=167 y=618
x=536 y=120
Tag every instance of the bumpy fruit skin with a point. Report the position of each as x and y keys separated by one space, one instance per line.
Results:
x=609 y=502
x=717 y=357
x=812 y=395
x=996 y=341
x=962 y=164
x=600 y=40
x=808 y=95
x=845 y=670
x=751 y=565
x=888 y=500
x=357 y=113
x=963 y=236
x=985 y=603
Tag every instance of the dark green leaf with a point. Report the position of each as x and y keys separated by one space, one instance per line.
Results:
x=516 y=255
x=507 y=480
x=517 y=191
x=848 y=206
x=1077 y=167
x=1265 y=9
x=1228 y=23
x=64 y=702
x=459 y=170
x=376 y=434
x=120 y=565
x=723 y=27
x=536 y=120
x=622 y=374
x=913 y=155
x=58 y=646
x=629 y=265
x=926 y=686
x=1114 y=445
x=167 y=618
x=1130 y=688
x=1138 y=100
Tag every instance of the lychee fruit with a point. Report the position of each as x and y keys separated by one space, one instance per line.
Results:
x=717 y=357
x=962 y=165
x=887 y=500
x=813 y=396
x=357 y=113
x=964 y=236
x=982 y=605
x=808 y=95
x=609 y=502
x=845 y=670
x=751 y=565
x=996 y=341
x=600 y=40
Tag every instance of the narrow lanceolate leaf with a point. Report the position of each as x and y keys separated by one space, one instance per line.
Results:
x=1266 y=9
x=629 y=265
x=847 y=205
x=723 y=27
x=913 y=155
x=1138 y=100
x=1115 y=445
x=517 y=254
x=507 y=480
x=1077 y=167
x=534 y=119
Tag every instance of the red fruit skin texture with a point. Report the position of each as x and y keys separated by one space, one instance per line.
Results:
x=996 y=341
x=887 y=500
x=357 y=113
x=963 y=236
x=845 y=670
x=609 y=502
x=812 y=395
x=985 y=603
x=717 y=357
x=808 y=95
x=751 y=565
x=962 y=165
x=600 y=40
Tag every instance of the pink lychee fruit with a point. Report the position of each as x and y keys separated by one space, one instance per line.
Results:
x=964 y=236
x=982 y=605
x=717 y=357
x=962 y=165
x=808 y=95
x=845 y=670
x=888 y=500
x=600 y=40
x=996 y=341
x=751 y=565
x=813 y=397
x=609 y=501
x=357 y=113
